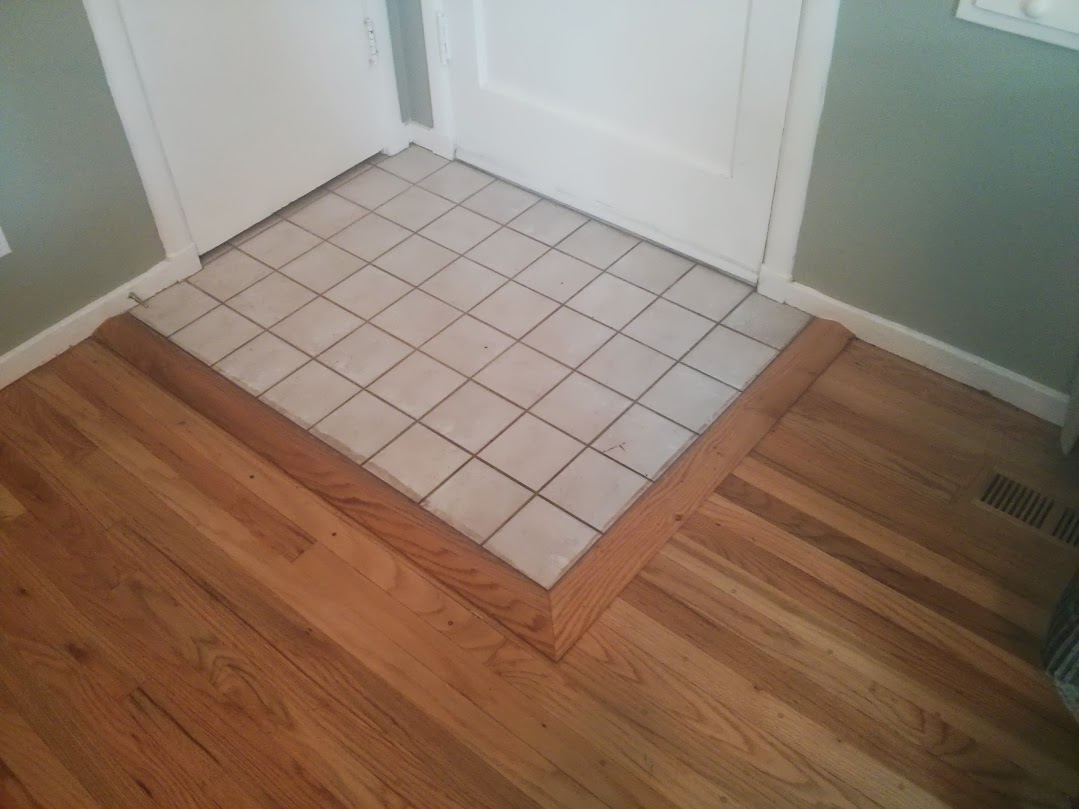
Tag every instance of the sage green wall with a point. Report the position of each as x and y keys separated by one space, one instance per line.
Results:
x=71 y=202
x=410 y=61
x=944 y=193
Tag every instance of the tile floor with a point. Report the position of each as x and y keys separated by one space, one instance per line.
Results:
x=519 y=370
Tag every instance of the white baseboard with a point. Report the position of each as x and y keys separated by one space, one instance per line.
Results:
x=431 y=139
x=76 y=327
x=927 y=351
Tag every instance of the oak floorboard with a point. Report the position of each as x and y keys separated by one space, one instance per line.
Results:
x=184 y=622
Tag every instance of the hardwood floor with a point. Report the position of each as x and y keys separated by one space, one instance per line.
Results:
x=184 y=624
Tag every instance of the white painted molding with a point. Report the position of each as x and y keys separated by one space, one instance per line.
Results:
x=809 y=80
x=438 y=81
x=934 y=354
x=76 y=327
x=430 y=139
x=122 y=74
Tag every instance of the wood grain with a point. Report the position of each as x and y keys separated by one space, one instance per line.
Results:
x=479 y=576
x=601 y=574
x=182 y=622
x=551 y=621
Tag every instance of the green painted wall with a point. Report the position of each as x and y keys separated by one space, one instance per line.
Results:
x=71 y=202
x=410 y=61
x=945 y=186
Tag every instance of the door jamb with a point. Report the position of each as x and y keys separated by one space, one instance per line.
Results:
x=805 y=103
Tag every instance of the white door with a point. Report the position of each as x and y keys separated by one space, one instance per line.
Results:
x=663 y=118
x=257 y=102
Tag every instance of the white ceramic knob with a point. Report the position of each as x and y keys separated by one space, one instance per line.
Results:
x=1036 y=8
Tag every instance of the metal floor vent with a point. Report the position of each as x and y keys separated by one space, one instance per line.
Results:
x=1037 y=509
x=1067 y=527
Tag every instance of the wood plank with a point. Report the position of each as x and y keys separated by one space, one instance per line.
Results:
x=590 y=585
x=988 y=593
x=171 y=536
x=867 y=714
x=518 y=603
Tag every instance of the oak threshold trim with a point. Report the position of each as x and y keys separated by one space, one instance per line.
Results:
x=553 y=620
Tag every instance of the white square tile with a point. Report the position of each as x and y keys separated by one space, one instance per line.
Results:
x=271 y=299
x=327 y=215
x=417 y=461
x=627 y=366
x=651 y=267
x=370 y=237
x=557 y=275
x=569 y=337
x=522 y=375
x=531 y=451
x=548 y=222
x=368 y=292
x=322 y=267
x=467 y=345
x=762 y=319
x=309 y=394
x=477 y=500
x=500 y=201
x=598 y=244
x=542 y=541
x=254 y=230
x=471 y=416
x=514 y=309
x=372 y=188
x=668 y=328
x=279 y=244
x=708 y=292
x=365 y=355
x=730 y=357
x=361 y=426
x=643 y=441
x=413 y=164
x=317 y=326
x=689 y=397
x=595 y=489
x=507 y=251
x=611 y=300
x=261 y=363
x=228 y=274
x=417 y=384
x=174 y=307
x=414 y=208
x=460 y=229
x=416 y=318
x=463 y=284
x=415 y=259
x=456 y=181
x=216 y=334
x=581 y=407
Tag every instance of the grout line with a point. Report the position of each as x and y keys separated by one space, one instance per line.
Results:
x=461 y=313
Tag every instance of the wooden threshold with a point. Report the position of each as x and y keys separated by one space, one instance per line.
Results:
x=550 y=620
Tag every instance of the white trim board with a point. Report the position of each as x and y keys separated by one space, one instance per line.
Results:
x=805 y=103
x=934 y=354
x=76 y=327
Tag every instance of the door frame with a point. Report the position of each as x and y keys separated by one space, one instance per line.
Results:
x=805 y=102
x=147 y=149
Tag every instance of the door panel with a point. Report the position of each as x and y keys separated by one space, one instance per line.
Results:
x=257 y=102
x=663 y=118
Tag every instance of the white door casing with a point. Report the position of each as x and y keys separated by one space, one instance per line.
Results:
x=665 y=119
x=257 y=102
